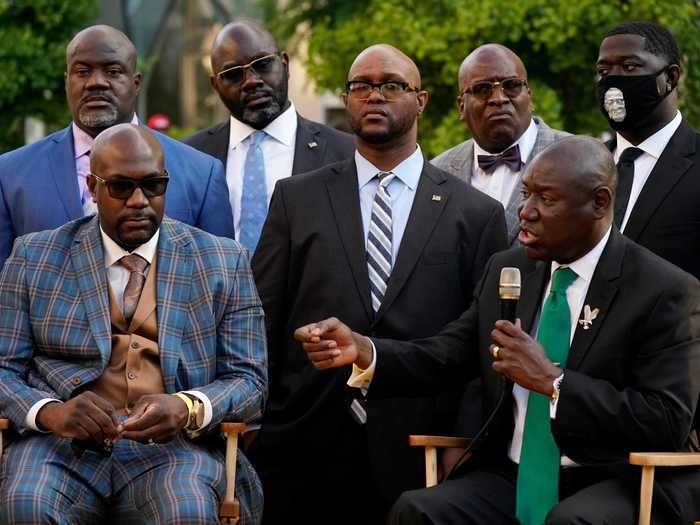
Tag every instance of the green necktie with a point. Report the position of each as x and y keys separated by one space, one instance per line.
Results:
x=538 y=472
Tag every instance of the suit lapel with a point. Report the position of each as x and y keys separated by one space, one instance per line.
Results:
x=309 y=147
x=65 y=177
x=463 y=162
x=533 y=285
x=87 y=256
x=219 y=141
x=173 y=284
x=344 y=196
x=670 y=167
x=601 y=292
x=425 y=213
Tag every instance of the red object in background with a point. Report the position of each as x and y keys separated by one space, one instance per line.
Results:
x=159 y=122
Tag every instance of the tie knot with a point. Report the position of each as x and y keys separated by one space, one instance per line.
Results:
x=257 y=137
x=562 y=279
x=630 y=155
x=385 y=178
x=510 y=158
x=134 y=263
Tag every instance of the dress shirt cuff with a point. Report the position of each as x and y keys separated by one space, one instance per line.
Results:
x=554 y=403
x=363 y=378
x=30 y=420
x=208 y=412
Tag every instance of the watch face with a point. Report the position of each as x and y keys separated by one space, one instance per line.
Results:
x=198 y=414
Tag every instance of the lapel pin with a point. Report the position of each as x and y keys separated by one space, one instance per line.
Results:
x=588 y=317
x=437 y=198
x=312 y=145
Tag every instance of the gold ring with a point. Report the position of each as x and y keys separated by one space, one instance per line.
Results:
x=494 y=351
x=151 y=442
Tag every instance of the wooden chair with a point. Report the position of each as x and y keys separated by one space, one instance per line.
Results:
x=647 y=460
x=229 y=512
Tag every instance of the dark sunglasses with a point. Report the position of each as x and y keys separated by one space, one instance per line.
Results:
x=511 y=87
x=122 y=189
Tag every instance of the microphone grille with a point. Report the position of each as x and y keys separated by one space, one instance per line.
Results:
x=509 y=284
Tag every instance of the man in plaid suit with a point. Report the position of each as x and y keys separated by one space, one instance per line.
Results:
x=125 y=339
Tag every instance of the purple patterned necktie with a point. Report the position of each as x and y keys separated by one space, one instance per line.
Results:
x=132 y=293
x=510 y=157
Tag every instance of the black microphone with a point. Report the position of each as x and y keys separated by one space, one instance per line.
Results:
x=509 y=292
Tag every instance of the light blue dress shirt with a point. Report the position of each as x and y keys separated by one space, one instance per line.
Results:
x=402 y=191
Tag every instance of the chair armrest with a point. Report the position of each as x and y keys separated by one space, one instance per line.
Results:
x=665 y=459
x=438 y=441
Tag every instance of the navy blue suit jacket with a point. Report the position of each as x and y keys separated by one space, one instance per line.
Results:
x=39 y=188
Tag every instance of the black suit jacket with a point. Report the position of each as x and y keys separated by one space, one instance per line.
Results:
x=631 y=381
x=316 y=145
x=666 y=216
x=311 y=264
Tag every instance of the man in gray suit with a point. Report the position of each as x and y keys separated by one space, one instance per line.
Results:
x=494 y=102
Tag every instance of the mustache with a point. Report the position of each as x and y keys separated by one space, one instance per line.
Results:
x=94 y=96
x=136 y=217
x=258 y=93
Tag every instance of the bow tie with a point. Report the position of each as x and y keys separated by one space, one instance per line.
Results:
x=510 y=157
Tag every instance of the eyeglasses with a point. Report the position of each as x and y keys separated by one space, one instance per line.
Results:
x=122 y=189
x=261 y=66
x=362 y=90
x=511 y=87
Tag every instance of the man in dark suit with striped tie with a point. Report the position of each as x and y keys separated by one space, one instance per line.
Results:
x=404 y=244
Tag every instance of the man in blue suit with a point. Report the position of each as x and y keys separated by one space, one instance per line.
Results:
x=44 y=185
x=125 y=339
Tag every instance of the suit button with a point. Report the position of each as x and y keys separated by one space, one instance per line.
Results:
x=135 y=345
x=76 y=380
x=131 y=376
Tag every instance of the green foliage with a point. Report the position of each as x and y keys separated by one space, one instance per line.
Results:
x=557 y=39
x=33 y=38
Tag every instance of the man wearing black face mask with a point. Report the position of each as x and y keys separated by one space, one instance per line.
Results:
x=657 y=152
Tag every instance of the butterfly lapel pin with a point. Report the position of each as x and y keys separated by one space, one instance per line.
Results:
x=588 y=317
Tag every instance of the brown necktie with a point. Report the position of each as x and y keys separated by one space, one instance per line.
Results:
x=136 y=265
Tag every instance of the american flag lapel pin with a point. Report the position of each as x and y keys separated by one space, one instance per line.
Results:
x=437 y=198
x=312 y=145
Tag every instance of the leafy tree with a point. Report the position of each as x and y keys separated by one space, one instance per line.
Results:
x=33 y=38
x=557 y=39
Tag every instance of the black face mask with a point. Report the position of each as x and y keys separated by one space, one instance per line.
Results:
x=630 y=98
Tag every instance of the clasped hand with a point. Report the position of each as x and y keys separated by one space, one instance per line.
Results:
x=154 y=418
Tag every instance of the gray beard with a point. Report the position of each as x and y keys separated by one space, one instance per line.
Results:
x=98 y=118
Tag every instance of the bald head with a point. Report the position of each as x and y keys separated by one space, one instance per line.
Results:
x=584 y=162
x=124 y=142
x=108 y=38
x=389 y=58
x=490 y=54
x=241 y=33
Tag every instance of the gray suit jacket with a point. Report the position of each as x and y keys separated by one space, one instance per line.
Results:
x=459 y=161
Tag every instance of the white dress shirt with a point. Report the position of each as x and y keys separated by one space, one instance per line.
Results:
x=500 y=183
x=118 y=277
x=652 y=147
x=402 y=191
x=575 y=296
x=277 y=150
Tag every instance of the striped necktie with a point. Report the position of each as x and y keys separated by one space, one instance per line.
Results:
x=379 y=248
x=538 y=472
x=254 y=194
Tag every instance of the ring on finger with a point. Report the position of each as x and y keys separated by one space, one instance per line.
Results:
x=151 y=442
x=494 y=351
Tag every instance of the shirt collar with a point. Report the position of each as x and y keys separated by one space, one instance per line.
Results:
x=656 y=143
x=525 y=142
x=586 y=265
x=283 y=128
x=114 y=252
x=408 y=170
x=82 y=142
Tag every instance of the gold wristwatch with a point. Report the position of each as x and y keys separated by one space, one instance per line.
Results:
x=195 y=408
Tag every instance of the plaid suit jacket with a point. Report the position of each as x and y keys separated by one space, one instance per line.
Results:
x=55 y=326
x=459 y=161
